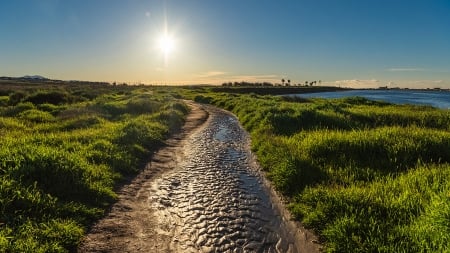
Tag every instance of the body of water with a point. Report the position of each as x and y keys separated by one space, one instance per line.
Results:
x=439 y=99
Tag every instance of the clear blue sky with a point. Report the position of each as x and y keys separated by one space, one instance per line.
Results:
x=347 y=42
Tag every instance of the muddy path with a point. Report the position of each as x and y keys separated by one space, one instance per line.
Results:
x=203 y=192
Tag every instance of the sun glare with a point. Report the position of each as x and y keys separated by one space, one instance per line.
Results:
x=166 y=44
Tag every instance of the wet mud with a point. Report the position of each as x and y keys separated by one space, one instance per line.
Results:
x=207 y=195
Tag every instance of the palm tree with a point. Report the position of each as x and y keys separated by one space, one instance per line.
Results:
x=289 y=82
x=282 y=81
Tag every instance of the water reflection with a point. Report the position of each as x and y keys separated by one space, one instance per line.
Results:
x=439 y=99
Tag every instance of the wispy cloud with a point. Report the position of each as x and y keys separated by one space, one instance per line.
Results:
x=218 y=77
x=426 y=83
x=418 y=70
x=373 y=83
x=256 y=78
x=359 y=80
x=210 y=74
x=252 y=78
x=406 y=69
x=355 y=83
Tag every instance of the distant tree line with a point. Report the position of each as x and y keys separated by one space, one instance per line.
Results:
x=284 y=82
x=247 y=84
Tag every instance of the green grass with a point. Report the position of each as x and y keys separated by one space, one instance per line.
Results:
x=63 y=153
x=366 y=176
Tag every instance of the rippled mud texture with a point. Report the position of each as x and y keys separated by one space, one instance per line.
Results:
x=208 y=196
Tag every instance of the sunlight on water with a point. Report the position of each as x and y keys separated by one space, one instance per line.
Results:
x=439 y=99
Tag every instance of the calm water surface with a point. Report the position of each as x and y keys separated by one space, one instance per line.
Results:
x=439 y=99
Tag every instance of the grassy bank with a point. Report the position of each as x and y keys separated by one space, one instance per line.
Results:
x=64 y=149
x=367 y=176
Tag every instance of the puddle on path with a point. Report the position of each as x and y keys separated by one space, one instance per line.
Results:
x=215 y=201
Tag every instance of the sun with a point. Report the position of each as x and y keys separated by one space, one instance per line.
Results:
x=166 y=44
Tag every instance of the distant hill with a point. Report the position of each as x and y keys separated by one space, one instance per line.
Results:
x=35 y=77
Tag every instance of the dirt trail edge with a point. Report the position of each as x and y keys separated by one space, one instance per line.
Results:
x=202 y=192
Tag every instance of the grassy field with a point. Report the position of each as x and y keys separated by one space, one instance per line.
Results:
x=366 y=176
x=65 y=149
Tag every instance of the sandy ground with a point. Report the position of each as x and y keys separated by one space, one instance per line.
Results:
x=202 y=192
